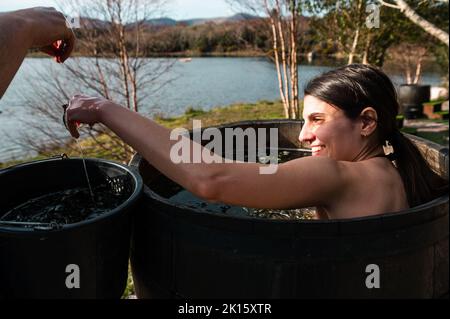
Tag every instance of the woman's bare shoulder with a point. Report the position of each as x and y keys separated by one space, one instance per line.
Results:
x=373 y=187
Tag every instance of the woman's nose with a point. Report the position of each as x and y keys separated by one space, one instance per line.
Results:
x=305 y=134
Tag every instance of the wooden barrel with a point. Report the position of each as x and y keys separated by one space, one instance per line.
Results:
x=181 y=252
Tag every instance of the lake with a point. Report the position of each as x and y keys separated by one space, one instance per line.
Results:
x=202 y=83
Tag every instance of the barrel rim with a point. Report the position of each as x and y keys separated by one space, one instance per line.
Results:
x=435 y=202
x=137 y=192
x=414 y=210
x=415 y=85
x=423 y=208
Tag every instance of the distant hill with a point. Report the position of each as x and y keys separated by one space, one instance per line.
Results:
x=90 y=23
x=161 y=22
x=166 y=22
x=190 y=22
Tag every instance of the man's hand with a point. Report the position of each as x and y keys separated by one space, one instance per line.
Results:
x=49 y=31
x=43 y=28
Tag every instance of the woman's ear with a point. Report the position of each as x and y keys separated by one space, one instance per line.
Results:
x=369 y=121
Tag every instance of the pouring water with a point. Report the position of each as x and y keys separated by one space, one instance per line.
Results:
x=65 y=106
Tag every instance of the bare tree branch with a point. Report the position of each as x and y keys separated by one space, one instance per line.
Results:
x=115 y=68
x=387 y=4
x=418 y=20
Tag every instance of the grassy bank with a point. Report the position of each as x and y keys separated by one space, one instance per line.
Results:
x=237 y=112
x=216 y=116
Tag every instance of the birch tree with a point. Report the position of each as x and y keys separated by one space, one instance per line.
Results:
x=283 y=17
x=413 y=16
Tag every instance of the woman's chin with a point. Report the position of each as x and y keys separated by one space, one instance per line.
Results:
x=321 y=153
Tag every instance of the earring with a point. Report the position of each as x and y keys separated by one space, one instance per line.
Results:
x=389 y=153
x=388 y=148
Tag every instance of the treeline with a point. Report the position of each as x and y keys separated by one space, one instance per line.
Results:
x=210 y=37
x=327 y=35
x=248 y=36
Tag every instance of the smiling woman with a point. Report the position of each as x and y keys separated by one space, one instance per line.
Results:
x=350 y=113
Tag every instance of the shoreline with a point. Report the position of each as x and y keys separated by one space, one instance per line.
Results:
x=262 y=110
x=390 y=65
x=218 y=115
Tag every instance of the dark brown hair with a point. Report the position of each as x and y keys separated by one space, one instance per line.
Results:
x=355 y=87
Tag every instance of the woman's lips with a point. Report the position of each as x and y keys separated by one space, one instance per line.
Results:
x=316 y=149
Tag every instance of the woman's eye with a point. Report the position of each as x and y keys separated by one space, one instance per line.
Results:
x=317 y=120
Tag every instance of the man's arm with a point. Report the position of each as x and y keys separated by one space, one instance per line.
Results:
x=31 y=28
x=14 y=44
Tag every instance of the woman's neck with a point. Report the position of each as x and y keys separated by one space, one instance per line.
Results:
x=369 y=152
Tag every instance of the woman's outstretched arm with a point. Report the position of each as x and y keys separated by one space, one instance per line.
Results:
x=31 y=28
x=300 y=183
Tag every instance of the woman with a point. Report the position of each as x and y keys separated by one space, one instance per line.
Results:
x=349 y=115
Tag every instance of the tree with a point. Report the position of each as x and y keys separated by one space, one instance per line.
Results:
x=283 y=17
x=414 y=45
x=348 y=24
x=113 y=37
x=412 y=15
x=410 y=58
x=342 y=21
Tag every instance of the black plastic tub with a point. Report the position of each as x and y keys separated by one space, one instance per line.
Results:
x=39 y=262
x=412 y=97
x=180 y=252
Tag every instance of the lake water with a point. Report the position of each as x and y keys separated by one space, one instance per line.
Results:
x=202 y=83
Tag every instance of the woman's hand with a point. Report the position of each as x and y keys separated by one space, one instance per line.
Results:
x=48 y=31
x=84 y=110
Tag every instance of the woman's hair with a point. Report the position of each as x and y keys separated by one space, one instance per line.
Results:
x=355 y=87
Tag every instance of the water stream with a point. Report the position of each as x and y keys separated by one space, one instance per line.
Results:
x=85 y=170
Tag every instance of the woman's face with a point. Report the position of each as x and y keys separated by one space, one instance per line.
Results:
x=329 y=132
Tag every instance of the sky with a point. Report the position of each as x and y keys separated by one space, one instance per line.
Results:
x=176 y=9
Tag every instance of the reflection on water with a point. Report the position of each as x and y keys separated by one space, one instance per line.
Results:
x=188 y=199
x=179 y=196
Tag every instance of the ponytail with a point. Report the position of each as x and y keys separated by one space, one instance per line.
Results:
x=421 y=183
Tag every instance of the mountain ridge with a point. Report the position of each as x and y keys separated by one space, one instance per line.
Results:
x=166 y=21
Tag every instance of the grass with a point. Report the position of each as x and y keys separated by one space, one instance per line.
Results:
x=129 y=289
x=221 y=115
